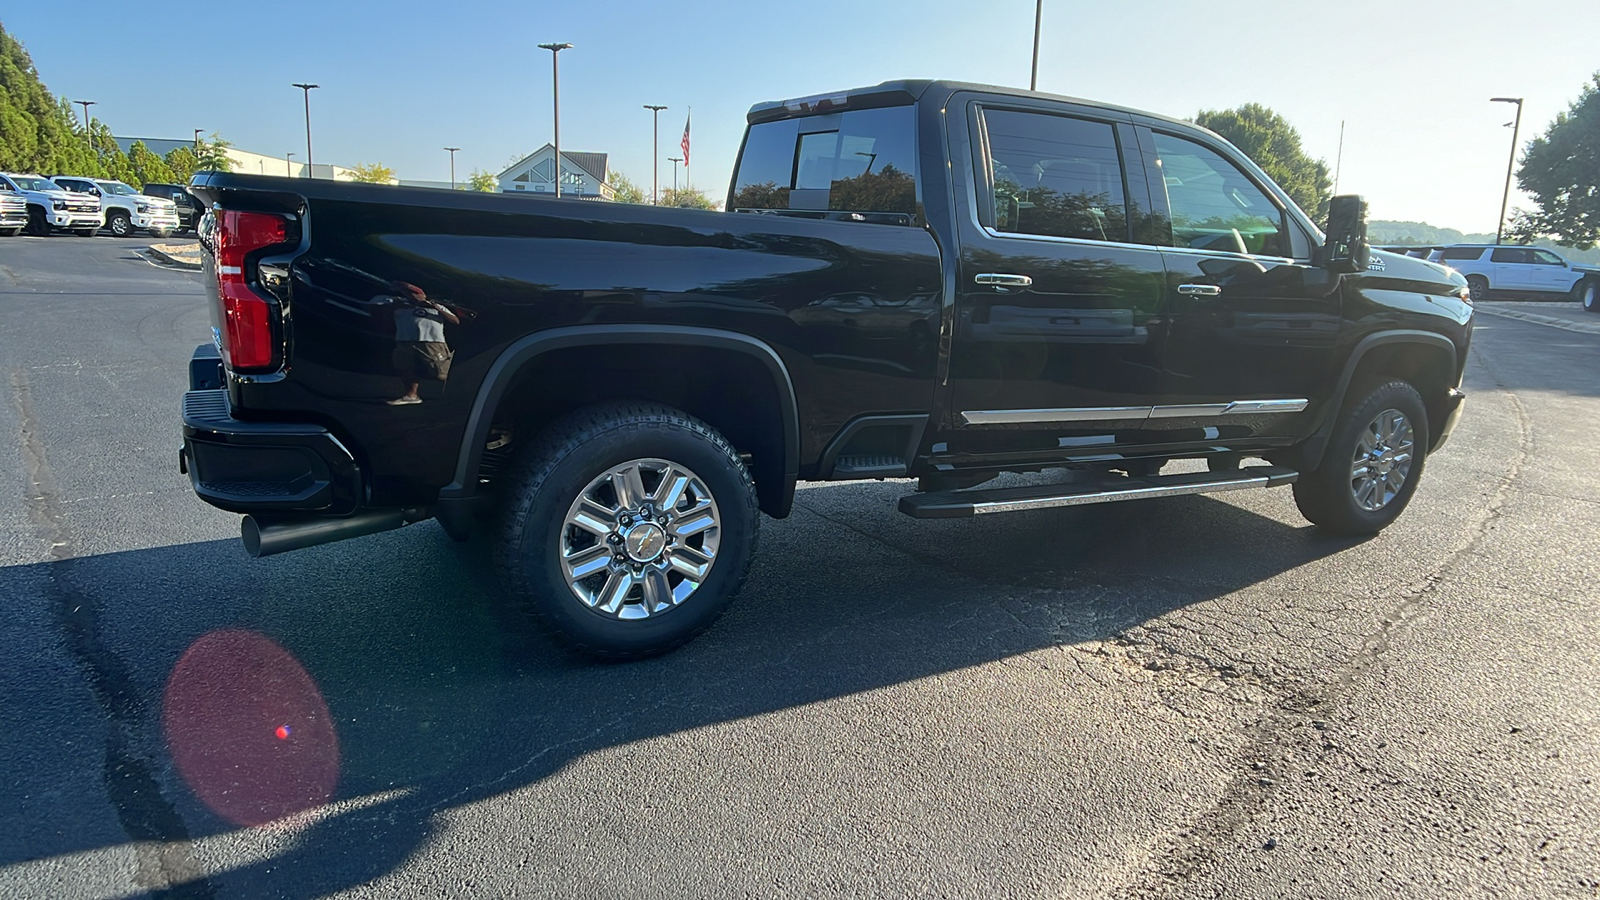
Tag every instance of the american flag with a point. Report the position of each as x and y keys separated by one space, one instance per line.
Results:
x=685 y=144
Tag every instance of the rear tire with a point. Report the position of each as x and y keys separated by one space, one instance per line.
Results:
x=591 y=542
x=1478 y=287
x=1589 y=295
x=1372 y=463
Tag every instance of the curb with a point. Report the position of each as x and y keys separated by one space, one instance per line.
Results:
x=1552 y=321
x=173 y=260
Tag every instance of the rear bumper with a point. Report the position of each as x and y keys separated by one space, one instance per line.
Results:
x=260 y=467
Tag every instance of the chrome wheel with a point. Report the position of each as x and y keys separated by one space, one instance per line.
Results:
x=640 y=539
x=1382 y=460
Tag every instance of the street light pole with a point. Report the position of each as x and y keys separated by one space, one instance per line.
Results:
x=288 y=164
x=1038 y=16
x=655 y=149
x=308 y=88
x=86 y=129
x=1505 y=197
x=452 y=166
x=197 y=140
x=555 y=88
x=674 y=160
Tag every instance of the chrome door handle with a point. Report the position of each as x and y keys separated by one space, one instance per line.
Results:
x=1004 y=280
x=1200 y=290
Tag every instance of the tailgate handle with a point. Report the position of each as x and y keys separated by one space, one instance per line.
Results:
x=1003 y=280
x=1200 y=290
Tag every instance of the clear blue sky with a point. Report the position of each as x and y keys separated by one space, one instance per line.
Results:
x=404 y=78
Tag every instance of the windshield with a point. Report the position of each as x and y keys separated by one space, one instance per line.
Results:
x=116 y=187
x=33 y=184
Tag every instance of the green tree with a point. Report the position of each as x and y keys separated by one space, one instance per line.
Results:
x=687 y=198
x=372 y=173
x=148 y=167
x=480 y=180
x=1274 y=145
x=38 y=132
x=1561 y=170
x=213 y=155
x=182 y=162
x=626 y=190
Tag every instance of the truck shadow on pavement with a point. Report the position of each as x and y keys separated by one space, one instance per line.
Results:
x=442 y=698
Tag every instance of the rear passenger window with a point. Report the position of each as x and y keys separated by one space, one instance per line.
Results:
x=1459 y=253
x=1214 y=205
x=1055 y=176
x=1511 y=255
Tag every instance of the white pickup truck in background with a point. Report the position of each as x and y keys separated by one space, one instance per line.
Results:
x=50 y=207
x=126 y=209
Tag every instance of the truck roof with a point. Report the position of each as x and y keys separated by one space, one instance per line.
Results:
x=910 y=90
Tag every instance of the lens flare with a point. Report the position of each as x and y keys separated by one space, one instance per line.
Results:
x=231 y=704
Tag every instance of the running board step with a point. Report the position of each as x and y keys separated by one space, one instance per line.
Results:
x=1111 y=488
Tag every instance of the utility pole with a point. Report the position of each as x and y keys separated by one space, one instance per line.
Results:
x=86 y=129
x=1505 y=197
x=555 y=89
x=452 y=166
x=308 y=88
x=655 y=150
x=1038 y=17
x=674 y=160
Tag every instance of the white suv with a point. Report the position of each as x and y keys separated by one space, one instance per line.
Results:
x=1515 y=270
x=50 y=207
x=126 y=208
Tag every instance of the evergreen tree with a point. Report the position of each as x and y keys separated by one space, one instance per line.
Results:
x=182 y=162
x=148 y=167
x=38 y=132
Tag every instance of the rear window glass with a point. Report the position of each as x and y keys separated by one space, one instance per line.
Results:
x=860 y=161
x=1461 y=253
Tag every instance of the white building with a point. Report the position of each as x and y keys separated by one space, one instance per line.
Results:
x=245 y=162
x=583 y=175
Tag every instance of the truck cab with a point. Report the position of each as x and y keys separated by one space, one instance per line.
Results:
x=51 y=208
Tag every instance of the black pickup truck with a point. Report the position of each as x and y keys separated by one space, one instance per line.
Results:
x=919 y=279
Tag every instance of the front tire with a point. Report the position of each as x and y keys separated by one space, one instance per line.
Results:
x=119 y=224
x=628 y=529
x=1372 y=464
x=38 y=225
x=1478 y=287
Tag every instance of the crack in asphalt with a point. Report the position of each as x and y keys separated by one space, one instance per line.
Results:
x=1281 y=736
x=166 y=865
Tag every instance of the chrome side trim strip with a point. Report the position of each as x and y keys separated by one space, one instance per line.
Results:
x=1069 y=414
x=1142 y=493
x=1123 y=413
x=1237 y=407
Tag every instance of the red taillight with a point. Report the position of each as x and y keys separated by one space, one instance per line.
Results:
x=247 y=339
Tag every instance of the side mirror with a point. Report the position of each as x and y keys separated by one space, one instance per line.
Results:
x=1346 y=248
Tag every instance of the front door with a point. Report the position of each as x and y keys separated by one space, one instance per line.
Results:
x=1253 y=322
x=1058 y=311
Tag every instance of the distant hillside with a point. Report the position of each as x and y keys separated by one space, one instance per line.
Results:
x=1386 y=231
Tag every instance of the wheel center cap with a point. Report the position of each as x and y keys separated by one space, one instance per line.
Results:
x=644 y=542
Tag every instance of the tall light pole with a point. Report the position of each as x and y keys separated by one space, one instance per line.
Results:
x=288 y=164
x=197 y=140
x=308 y=88
x=452 y=166
x=655 y=148
x=1038 y=16
x=1499 y=227
x=86 y=129
x=674 y=160
x=555 y=88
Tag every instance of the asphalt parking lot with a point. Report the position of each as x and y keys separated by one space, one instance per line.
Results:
x=1192 y=697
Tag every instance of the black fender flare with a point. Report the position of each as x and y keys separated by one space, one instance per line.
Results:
x=1315 y=446
x=456 y=498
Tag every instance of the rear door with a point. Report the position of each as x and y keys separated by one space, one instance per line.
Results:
x=1058 y=306
x=1253 y=322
